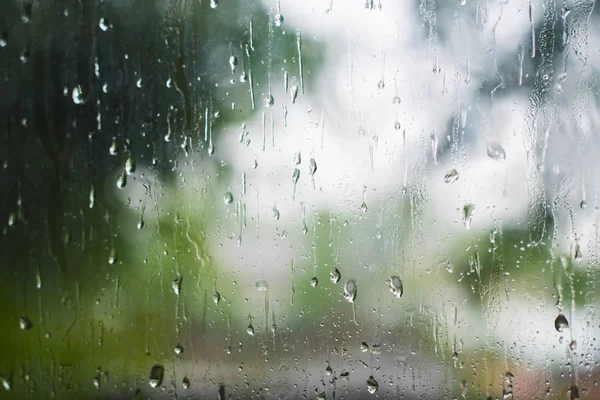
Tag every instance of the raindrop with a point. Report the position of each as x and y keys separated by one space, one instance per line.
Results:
x=314 y=282
x=350 y=290
x=233 y=62
x=467 y=215
x=364 y=347
x=560 y=323
x=397 y=125
x=577 y=256
x=363 y=207
x=372 y=385
x=335 y=275
x=185 y=383
x=214 y=4
x=24 y=57
x=583 y=205
x=262 y=286
x=462 y=2
x=139 y=83
x=573 y=345
x=156 y=375
x=380 y=85
x=178 y=349
x=250 y=330
x=375 y=349
x=294 y=93
x=278 y=20
x=312 y=165
x=451 y=176
x=395 y=285
x=4 y=39
x=104 y=24
x=574 y=392
x=27 y=11
x=495 y=151
x=122 y=180
x=25 y=323
x=228 y=198
x=269 y=101
x=275 y=213
x=92 y=197
x=328 y=370
x=140 y=225
x=112 y=257
x=396 y=100
x=79 y=95
x=321 y=396
x=113 y=150
x=130 y=165
x=5 y=383
x=177 y=285
x=216 y=298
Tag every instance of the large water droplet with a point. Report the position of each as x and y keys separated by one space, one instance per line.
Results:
x=25 y=323
x=467 y=215
x=185 y=383
x=130 y=165
x=278 y=19
x=269 y=101
x=350 y=290
x=214 y=4
x=560 y=323
x=314 y=282
x=372 y=385
x=157 y=374
x=177 y=285
x=451 y=176
x=395 y=285
x=104 y=24
x=227 y=198
x=122 y=180
x=79 y=96
x=5 y=383
x=495 y=151
x=335 y=275
x=178 y=349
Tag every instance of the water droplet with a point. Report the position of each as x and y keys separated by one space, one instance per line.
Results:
x=5 y=383
x=216 y=298
x=243 y=76
x=314 y=282
x=113 y=149
x=156 y=375
x=573 y=345
x=178 y=349
x=24 y=56
x=451 y=176
x=328 y=370
x=139 y=83
x=350 y=290
x=276 y=214
x=104 y=24
x=25 y=323
x=92 y=197
x=335 y=275
x=321 y=396
x=375 y=349
x=574 y=392
x=312 y=166
x=462 y=2
x=4 y=39
x=380 y=85
x=583 y=205
x=177 y=285
x=467 y=215
x=296 y=176
x=140 y=225
x=560 y=323
x=269 y=101
x=250 y=330
x=112 y=257
x=233 y=62
x=395 y=285
x=364 y=347
x=228 y=198
x=214 y=4
x=577 y=256
x=397 y=125
x=185 y=383
x=294 y=93
x=130 y=165
x=372 y=385
x=122 y=180
x=262 y=286
x=495 y=151
x=79 y=95
x=363 y=207
x=278 y=19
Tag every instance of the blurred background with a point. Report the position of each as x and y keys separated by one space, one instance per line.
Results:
x=319 y=199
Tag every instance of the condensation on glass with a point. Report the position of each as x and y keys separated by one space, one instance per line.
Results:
x=317 y=199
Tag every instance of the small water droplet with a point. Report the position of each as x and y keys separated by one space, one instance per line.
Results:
x=364 y=347
x=157 y=374
x=294 y=93
x=462 y=2
x=495 y=151
x=178 y=349
x=233 y=62
x=216 y=298
x=467 y=215
x=122 y=180
x=5 y=383
x=4 y=39
x=560 y=323
x=583 y=205
x=24 y=56
x=262 y=286
x=113 y=149
x=269 y=101
x=573 y=345
x=314 y=282
x=380 y=85
x=112 y=257
x=25 y=323
x=397 y=125
x=177 y=285
x=396 y=100
x=350 y=289
x=372 y=385
x=278 y=19
x=335 y=275
x=395 y=285
x=214 y=4
x=227 y=198
x=328 y=370
x=312 y=166
x=363 y=207
x=104 y=24
x=79 y=95
x=451 y=176
x=139 y=83
x=276 y=214
x=185 y=383
x=130 y=165
x=92 y=197
x=250 y=330
x=321 y=396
